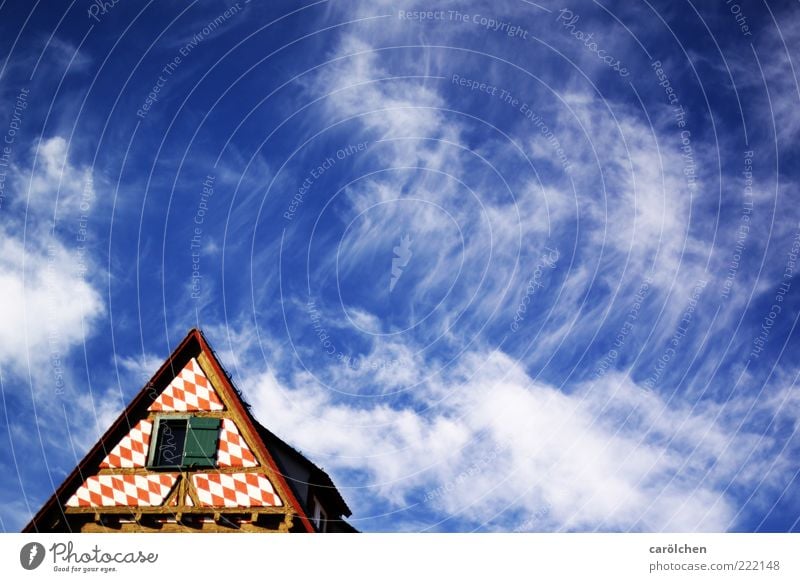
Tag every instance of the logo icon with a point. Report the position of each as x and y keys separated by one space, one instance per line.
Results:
x=402 y=255
x=31 y=555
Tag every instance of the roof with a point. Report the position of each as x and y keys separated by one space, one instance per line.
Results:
x=274 y=447
x=319 y=477
x=274 y=443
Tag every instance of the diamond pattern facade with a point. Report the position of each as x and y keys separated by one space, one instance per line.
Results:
x=131 y=451
x=235 y=490
x=189 y=391
x=123 y=490
x=233 y=451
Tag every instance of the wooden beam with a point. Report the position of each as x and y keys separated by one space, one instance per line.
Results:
x=286 y=526
x=205 y=527
x=170 y=511
x=147 y=471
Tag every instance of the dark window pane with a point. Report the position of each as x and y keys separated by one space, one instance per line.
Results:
x=169 y=443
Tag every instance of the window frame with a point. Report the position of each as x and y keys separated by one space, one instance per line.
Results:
x=319 y=516
x=154 y=438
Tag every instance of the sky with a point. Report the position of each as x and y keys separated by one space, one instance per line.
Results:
x=494 y=266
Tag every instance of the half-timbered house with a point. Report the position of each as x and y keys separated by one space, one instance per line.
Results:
x=187 y=455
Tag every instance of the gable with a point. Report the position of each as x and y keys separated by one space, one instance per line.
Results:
x=189 y=391
x=131 y=451
x=218 y=469
x=235 y=490
x=233 y=450
x=126 y=490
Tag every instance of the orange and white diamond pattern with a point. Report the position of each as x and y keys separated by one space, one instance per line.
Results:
x=235 y=490
x=123 y=490
x=190 y=390
x=131 y=451
x=232 y=450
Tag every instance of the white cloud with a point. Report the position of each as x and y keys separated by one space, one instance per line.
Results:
x=611 y=456
x=47 y=306
x=50 y=303
x=484 y=441
x=625 y=222
x=140 y=368
x=55 y=187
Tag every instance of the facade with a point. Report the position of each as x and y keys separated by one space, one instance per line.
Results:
x=188 y=456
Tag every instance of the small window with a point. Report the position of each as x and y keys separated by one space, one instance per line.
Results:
x=185 y=442
x=320 y=517
x=170 y=443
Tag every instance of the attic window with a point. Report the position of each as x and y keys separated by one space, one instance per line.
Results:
x=185 y=442
x=320 y=518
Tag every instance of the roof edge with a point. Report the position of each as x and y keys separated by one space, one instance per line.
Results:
x=95 y=454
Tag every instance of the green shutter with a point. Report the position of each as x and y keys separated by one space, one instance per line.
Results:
x=201 y=442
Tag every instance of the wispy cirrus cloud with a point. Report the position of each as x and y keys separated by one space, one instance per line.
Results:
x=564 y=347
x=488 y=447
x=608 y=453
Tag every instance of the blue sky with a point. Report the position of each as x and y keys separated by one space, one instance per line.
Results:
x=528 y=267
